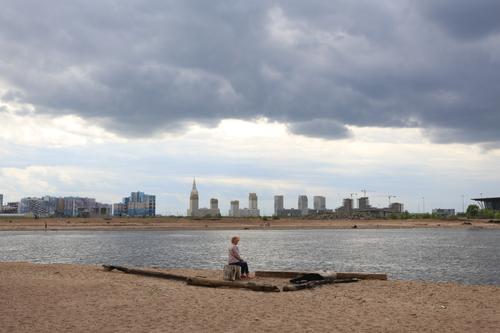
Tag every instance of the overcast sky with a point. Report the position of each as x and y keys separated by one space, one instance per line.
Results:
x=101 y=98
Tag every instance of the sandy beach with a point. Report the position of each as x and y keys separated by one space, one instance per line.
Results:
x=172 y=223
x=74 y=298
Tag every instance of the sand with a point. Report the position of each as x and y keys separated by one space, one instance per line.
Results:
x=170 y=223
x=74 y=298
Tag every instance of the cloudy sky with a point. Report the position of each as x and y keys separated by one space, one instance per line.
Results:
x=320 y=97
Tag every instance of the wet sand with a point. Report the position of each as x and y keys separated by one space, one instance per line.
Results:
x=74 y=298
x=169 y=223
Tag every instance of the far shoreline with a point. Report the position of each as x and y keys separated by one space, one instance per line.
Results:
x=179 y=224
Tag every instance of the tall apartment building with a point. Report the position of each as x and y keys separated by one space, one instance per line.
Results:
x=214 y=204
x=364 y=203
x=1 y=203
x=234 y=208
x=279 y=204
x=67 y=206
x=319 y=202
x=303 y=205
x=138 y=204
x=252 y=201
x=195 y=211
x=252 y=211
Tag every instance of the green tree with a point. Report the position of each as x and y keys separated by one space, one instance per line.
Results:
x=472 y=211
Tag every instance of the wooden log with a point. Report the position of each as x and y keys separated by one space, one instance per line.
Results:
x=236 y=284
x=142 y=272
x=340 y=275
x=314 y=284
x=280 y=274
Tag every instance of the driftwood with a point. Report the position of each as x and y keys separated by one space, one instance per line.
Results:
x=313 y=284
x=142 y=272
x=340 y=275
x=236 y=284
x=320 y=275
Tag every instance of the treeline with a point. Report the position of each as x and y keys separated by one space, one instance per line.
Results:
x=474 y=211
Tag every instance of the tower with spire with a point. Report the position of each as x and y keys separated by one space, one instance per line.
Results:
x=194 y=209
x=193 y=200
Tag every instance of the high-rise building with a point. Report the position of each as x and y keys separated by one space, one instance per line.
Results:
x=279 y=204
x=195 y=211
x=348 y=204
x=364 y=203
x=141 y=204
x=193 y=200
x=138 y=204
x=319 y=202
x=252 y=211
x=1 y=203
x=235 y=208
x=303 y=205
x=252 y=201
x=214 y=203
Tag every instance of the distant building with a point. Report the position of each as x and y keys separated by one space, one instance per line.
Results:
x=444 y=212
x=319 y=203
x=67 y=206
x=489 y=203
x=11 y=208
x=303 y=205
x=252 y=201
x=252 y=211
x=346 y=209
x=1 y=203
x=234 y=208
x=364 y=203
x=214 y=204
x=138 y=204
x=397 y=207
x=289 y=212
x=279 y=204
x=195 y=211
x=36 y=206
x=119 y=209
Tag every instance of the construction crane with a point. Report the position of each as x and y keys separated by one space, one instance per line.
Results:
x=389 y=196
x=364 y=192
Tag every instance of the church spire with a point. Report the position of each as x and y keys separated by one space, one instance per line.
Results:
x=194 y=184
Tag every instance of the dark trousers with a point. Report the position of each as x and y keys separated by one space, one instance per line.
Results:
x=243 y=265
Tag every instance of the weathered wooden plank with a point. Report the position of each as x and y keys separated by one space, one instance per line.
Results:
x=235 y=284
x=362 y=276
x=142 y=272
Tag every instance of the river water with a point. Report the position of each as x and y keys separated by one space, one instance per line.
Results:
x=438 y=255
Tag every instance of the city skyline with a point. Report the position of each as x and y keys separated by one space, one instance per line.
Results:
x=324 y=98
x=305 y=202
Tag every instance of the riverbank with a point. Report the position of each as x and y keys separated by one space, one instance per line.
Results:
x=74 y=298
x=172 y=223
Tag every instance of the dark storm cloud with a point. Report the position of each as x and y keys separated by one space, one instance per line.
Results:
x=464 y=18
x=140 y=67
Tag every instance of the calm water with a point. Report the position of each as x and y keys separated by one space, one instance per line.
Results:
x=467 y=256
